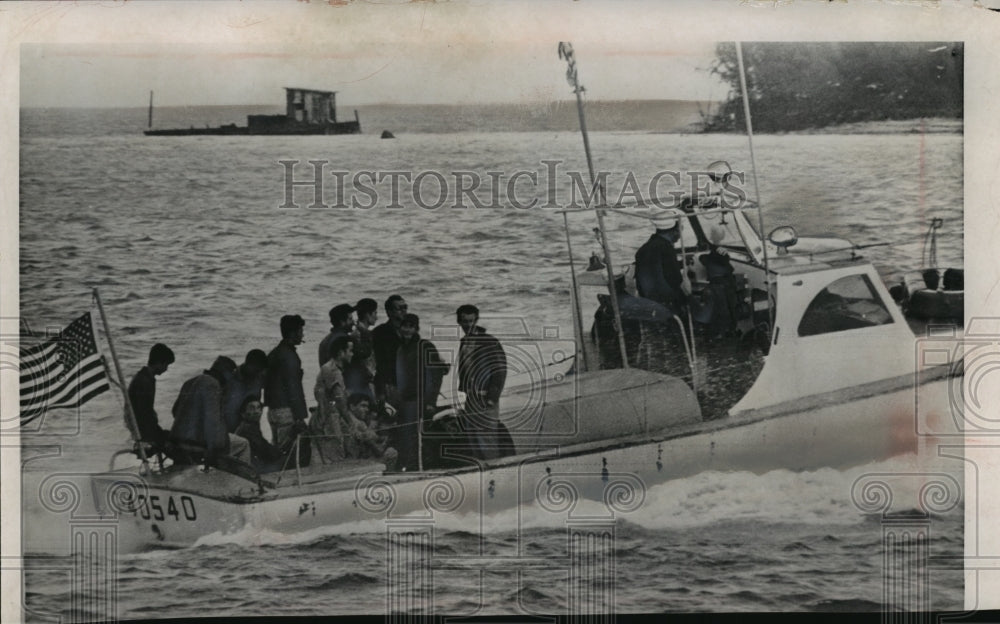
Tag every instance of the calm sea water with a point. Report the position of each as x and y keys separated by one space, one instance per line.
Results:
x=185 y=239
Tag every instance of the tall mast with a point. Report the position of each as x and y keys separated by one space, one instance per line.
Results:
x=151 y=108
x=756 y=187
x=566 y=52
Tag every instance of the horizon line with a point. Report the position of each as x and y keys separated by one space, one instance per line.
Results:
x=413 y=104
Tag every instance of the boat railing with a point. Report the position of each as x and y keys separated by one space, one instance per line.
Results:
x=689 y=352
x=296 y=453
x=293 y=459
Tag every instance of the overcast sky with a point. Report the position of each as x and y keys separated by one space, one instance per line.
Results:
x=416 y=54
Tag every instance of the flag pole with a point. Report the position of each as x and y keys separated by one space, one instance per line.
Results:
x=129 y=413
x=566 y=52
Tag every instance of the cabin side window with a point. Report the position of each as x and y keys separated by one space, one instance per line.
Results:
x=849 y=303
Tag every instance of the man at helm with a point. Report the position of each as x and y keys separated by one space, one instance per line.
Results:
x=657 y=270
x=718 y=174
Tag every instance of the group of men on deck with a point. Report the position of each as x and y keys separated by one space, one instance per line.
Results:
x=375 y=387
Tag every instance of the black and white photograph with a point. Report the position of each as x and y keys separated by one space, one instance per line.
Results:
x=508 y=310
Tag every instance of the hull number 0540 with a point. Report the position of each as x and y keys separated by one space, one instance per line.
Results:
x=158 y=508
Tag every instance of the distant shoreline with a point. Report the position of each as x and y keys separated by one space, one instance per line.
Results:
x=933 y=125
x=639 y=116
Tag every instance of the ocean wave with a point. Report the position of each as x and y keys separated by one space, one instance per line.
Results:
x=845 y=605
x=131 y=296
x=345 y=582
x=751 y=597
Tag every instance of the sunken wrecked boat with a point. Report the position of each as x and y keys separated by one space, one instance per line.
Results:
x=307 y=111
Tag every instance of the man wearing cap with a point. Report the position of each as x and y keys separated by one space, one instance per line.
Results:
x=341 y=324
x=718 y=175
x=712 y=195
x=657 y=270
x=199 y=427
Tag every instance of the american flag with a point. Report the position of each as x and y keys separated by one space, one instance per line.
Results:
x=64 y=371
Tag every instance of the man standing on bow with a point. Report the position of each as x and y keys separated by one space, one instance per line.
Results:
x=482 y=372
x=286 y=401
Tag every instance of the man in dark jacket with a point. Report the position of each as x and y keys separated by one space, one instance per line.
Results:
x=657 y=270
x=286 y=401
x=419 y=373
x=142 y=395
x=198 y=424
x=385 y=342
x=482 y=373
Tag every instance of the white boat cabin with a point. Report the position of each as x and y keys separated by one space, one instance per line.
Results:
x=817 y=320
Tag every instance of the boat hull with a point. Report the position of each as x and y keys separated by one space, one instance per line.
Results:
x=346 y=127
x=195 y=505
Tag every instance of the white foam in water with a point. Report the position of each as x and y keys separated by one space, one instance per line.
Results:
x=255 y=536
x=820 y=497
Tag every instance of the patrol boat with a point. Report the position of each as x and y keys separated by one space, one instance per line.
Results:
x=817 y=368
x=839 y=379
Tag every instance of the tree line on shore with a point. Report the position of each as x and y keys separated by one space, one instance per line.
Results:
x=802 y=85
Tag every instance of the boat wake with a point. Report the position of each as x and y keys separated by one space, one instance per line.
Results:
x=821 y=497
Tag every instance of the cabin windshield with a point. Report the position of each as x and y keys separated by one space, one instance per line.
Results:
x=848 y=303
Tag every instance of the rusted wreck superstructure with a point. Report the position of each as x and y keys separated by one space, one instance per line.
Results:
x=307 y=111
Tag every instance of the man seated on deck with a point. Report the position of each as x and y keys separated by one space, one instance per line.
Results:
x=247 y=382
x=371 y=445
x=199 y=430
x=341 y=324
x=265 y=457
x=142 y=396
